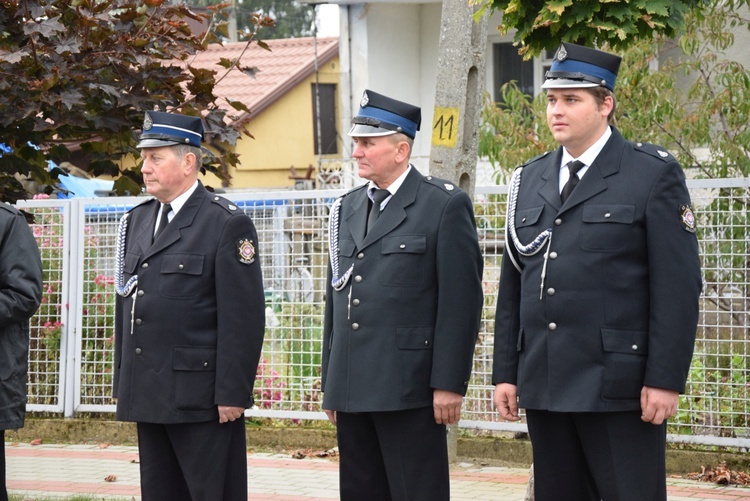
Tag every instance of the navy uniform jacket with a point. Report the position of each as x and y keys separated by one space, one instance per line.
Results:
x=408 y=318
x=199 y=316
x=20 y=295
x=619 y=306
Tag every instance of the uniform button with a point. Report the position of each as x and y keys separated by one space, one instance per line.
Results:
x=427 y=342
x=635 y=347
x=137 y=351
x=140 y=292
x=523 y=220
x=180 y=266
x=553 y=255
x=355 y=326
x=552 y=326
x=358 y=278
x=466 y=383
x=402 y=246
x=205 y=364
x=639 y=144
x=608 y=215
x=138 y=321
x=361 y=255
x=355 y=302
x=551 y=291
x=144 y=265
x=558 y=222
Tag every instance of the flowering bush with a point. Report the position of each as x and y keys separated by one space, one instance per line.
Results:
x=268 y=386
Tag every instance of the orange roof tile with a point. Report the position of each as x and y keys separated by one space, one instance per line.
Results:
x=279 y=70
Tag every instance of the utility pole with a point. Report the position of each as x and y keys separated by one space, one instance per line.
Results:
x=458 y=106
x=458 y=94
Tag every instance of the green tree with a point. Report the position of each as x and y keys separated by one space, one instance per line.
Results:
x=543 y=24
x=76 y=76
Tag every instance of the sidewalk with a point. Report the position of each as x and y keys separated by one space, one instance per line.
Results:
x=64 y=471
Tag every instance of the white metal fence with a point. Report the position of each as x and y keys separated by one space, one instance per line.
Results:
x=71 y=348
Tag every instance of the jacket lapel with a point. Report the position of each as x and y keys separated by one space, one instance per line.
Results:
x=606 y=164
x=183 y=219
x=550 y=190
x=394 y=212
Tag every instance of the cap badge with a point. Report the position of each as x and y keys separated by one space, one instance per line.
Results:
x=687 y=219
x=365 y=99
x=562 y=54
x=246 y=251
x=662 y=154
x=449 y=186
x=147 y=122
x=231 y=207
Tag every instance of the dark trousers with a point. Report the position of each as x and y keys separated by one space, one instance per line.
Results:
x=392 y=456
x=193 y=461
x=608 y=456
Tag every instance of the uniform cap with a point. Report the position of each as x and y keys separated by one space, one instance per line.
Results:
x=169 y=129
x=579 y=66
x=380 y=115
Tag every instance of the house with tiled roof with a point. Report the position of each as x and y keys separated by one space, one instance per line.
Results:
x=286 y=112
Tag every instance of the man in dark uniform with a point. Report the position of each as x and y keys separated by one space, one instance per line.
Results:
x=598 y=302
x=403 y=304
x=189 y=322
x=20 y=296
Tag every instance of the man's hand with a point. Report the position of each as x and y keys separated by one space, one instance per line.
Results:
x=447 y=406
x=506 y=401
x=227 y=413
x=657 y=404
x=331 y=415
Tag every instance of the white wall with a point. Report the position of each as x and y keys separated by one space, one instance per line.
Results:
x=394 y=50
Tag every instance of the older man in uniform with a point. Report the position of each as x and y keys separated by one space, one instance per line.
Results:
x=402 y=314
x=189 y=322
x=598 y=302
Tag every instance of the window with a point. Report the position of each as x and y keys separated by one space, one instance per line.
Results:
x=508 y=66
x=326 y=142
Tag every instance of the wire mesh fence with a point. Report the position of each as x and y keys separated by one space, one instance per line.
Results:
x=75 y=322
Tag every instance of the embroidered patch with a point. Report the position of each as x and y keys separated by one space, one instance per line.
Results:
x=687 y=219
x=246 y=251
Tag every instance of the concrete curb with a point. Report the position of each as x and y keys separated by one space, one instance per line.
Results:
x=509 y=452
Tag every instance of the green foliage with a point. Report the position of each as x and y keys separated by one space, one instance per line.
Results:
x=76 y=77
x=543 y=24
x=705 y=124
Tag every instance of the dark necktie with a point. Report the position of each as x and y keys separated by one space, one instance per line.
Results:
x=165 y=209
x=573 y=168
x=377 y=198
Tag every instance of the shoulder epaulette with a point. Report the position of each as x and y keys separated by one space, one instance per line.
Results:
x=443 y=184
x=655 y=151
x=10 y=208
x=538 y=157
x=142 y=202
x=227 y=205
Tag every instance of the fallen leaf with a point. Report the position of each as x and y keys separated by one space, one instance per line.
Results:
x=36 y=441
x=110 y=478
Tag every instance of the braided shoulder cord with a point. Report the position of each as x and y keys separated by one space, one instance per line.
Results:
x=337 y=282
x=120 y=258
x=535 y=245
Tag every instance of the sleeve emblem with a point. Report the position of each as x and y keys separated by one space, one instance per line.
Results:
x=246 y=251
x=687 y=219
